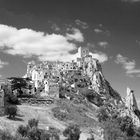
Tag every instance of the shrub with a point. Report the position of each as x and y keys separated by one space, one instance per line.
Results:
x=13 y=99
x=72 y=132
x=45 y=136
x=33 y=123
x=53 y=132
x=61 y=115
x=11 y=110
x=34 y=133
x=23 y=130
x=126 y=125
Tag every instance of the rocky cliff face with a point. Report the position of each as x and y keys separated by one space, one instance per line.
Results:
x=101 y=86
x=98 y=82
x=131 y=108
x=130 y=100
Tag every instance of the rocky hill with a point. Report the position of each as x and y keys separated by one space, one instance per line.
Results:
x=102 y=87
x=81 y=94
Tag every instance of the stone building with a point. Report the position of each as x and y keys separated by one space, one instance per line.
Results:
x=40 y=73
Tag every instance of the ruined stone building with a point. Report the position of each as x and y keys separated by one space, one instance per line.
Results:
x=38 y=73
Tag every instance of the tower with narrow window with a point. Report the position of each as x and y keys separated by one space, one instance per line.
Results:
x=82 y=52
x=30 y=65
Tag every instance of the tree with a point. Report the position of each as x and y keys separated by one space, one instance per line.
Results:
x=11 y=110
x=72 y=132
x=33 y=123
x=23 y=130
x=126 y=125
x=18 y=83
x=32 y=132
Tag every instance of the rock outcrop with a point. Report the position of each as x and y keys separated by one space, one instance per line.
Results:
x=98 y=82
x=130 y=100
x=131 y=107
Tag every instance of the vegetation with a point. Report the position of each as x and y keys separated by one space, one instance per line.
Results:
x=18 y=83
x=11 y=110
x=61 y=115
x=33 y=123
x=32 y=132
x=116 y=127
x=126 y=125
x=72 y=132
x=112 y=130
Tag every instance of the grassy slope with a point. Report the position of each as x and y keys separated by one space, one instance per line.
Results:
x=79 y=114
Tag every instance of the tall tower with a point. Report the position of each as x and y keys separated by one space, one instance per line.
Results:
x=29 y=68
x=82 y=52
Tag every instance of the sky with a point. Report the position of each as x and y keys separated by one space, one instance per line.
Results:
x=53 y=30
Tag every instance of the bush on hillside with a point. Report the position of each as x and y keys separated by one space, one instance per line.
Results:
x=72 y=132
x=23 y=130
x=33 y=123
x=32 y=132
x=12 y=99
x=126 y=125
x=61 y=114
x=11 y=110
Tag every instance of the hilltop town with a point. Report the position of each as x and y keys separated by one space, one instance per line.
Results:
x=68 y=91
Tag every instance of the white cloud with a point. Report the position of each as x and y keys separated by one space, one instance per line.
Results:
x=90 y=45
x=97 y=30
x=103 y=44
x=129 y=66
x=100 y=29
x=82 y=24
x=76 y=35
x=102 y=57
x=55 y=27
x=2 y=63
x=28 y=42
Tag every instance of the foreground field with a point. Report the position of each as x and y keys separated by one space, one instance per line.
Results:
x=48 y=116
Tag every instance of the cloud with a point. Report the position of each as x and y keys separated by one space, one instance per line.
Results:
x=103 y=44
x=75 y=35
x=90 y=45
x=129 y=66
x=2 y=63
x=82 y=24
x=27 y=43
x=100 y=29
x=102 y=57
x=97 y=30
x=55 y=27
